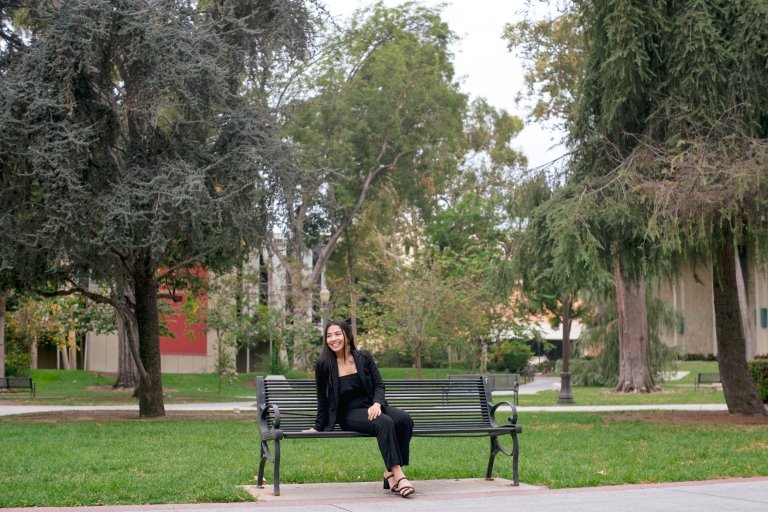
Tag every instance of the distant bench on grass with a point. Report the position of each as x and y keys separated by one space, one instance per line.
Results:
x=9 y=383
x=498 y=382
x=707 y=378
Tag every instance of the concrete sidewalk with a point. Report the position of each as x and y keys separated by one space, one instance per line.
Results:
x=736 y=495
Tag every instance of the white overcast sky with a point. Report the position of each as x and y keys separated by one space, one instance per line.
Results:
x=483 y=64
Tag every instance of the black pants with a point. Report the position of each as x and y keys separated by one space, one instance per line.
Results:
x=393 y=431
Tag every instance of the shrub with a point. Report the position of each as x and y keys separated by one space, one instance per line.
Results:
x=590 y=372
x=545 y=367
x=17 y=364
x=394 y=358
x=759 y=371
x=698 y=357
x=509 y=356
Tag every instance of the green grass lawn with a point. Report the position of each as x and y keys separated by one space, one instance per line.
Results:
x=94 y=462
x=85 y=388
x=181 y=460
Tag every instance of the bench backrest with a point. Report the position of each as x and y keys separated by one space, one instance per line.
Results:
x=15 y=382
x=443 y=404
x=708 y=377
x=498 y=381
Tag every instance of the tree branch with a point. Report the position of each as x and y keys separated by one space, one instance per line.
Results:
x=325 y=252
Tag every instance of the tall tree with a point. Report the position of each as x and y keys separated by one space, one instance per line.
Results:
x=670 y=105
x=380 y=108
x=130 y=149
x=701 y=160
x=2 y=332
x=585 y=78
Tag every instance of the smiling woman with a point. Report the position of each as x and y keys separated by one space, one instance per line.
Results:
x=350 y=392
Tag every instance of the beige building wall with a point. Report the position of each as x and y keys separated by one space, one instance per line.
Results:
x=691 y=295
x=102 y=356
x=758 y=297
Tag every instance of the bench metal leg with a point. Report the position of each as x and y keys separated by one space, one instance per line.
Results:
x=277 y=468
x=515 y=454
x=264 y=456
x=495 y=449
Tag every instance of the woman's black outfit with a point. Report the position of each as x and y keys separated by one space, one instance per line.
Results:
x=345 y=400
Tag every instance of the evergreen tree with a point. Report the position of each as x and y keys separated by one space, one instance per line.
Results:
x=128 y=151
x=668 y=128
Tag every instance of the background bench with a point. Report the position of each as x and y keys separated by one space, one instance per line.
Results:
x=18 y=383
x=706 y=378
x=497 y=381
x=439 y=408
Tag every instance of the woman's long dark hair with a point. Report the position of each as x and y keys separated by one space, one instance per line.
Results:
x=326 y=354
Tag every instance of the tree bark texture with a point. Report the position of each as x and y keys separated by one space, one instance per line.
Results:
x=740 y=390
x=127 y=372
x=150 y=389
x=351 y=284
x=33 y=353
x=417 y=359
x=634 y=351
x=749 y=335
x=64 y=356
x=72 y=350
x=2 y=333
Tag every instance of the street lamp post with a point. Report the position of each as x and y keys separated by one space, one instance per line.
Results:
x=325 y=297
x=566 y=396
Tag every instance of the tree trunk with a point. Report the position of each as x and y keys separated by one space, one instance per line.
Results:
x=634 y=351
x=2 y=333
x=150 y=389
x=749 y=335
x=739 y=388
x=33 y=352
x=72 y=350
x=351 y=284
x=417 y=359
x=64 y=357
x=127 y=373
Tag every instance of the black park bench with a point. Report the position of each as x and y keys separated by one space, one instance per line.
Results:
x=439 y=408
x=18 y=383
x=707 y=378
x=509 y=382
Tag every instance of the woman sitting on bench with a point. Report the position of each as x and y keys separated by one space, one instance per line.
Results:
x=350 y=391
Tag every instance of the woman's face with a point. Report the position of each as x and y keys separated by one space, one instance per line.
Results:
x=336 y=340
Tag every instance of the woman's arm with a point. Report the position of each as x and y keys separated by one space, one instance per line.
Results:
x=321 y=387
x=379 y=395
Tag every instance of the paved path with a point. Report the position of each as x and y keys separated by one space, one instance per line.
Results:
x=733 y=495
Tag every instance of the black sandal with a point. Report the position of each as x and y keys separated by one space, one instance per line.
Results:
x=387 y=476
x=404 y=491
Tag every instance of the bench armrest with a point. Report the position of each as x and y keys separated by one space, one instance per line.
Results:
x=265 y=414
x=512 y=418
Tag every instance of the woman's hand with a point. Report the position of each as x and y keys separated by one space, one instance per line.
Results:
x=309 y=430
x=374 y=411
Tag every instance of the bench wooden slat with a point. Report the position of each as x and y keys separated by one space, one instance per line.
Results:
x=439 y=408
